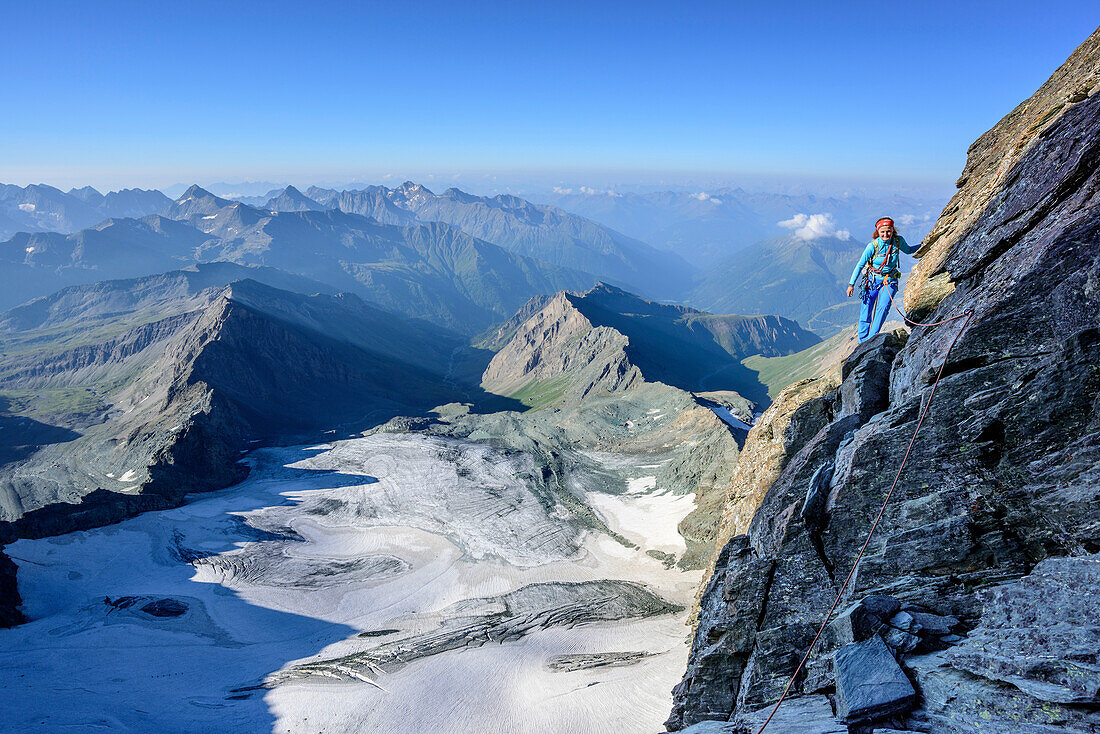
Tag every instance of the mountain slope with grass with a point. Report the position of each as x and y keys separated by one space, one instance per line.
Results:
x=605 y=339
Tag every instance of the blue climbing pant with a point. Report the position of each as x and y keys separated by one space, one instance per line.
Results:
x=875 y=308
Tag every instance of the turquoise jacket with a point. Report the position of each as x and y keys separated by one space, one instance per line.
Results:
x=875 y=252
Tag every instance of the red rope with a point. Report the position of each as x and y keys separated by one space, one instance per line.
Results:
x=968 y=314
x=901 y=313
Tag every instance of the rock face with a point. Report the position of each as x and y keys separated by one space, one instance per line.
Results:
x=993 y=529
x=994 y=164
x=1041 y=634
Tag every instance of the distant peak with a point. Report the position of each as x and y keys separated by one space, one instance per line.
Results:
x=194 y=192
x=413 y=188
x=602 y=288
x=456 y=194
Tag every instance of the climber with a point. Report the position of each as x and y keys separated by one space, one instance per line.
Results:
x=878 y=268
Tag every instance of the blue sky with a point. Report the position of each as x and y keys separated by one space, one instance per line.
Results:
x=151 y=94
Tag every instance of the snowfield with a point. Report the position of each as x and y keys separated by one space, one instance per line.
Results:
x=395 y=582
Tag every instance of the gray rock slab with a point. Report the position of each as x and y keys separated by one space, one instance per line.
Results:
x=869 y=682
x=712 y=727
x=900 y=632
x=899 y=641
x=1041 y=634
x=799 y=715
x=956 y=702
x=933 y=624
x=863 y=619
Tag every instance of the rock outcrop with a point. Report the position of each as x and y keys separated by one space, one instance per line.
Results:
x=980 y=580
x=559 y=351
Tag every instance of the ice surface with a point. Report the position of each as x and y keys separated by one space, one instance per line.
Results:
x=733 y=421
x=274 y=598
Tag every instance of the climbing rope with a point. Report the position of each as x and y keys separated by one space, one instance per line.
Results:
x=917 y=323
x=967 y=314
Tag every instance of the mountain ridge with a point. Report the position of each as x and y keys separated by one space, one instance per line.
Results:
x=623 y=337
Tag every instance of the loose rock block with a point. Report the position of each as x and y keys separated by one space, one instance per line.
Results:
x=869 y=682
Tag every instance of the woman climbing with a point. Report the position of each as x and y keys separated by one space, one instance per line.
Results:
x=878 y=268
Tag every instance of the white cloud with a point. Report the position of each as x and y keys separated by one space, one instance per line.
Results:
x=30 y=249
x=814 y=226
x=906 y=219
x=702 y=196
x=26 y=207
x=586 y=191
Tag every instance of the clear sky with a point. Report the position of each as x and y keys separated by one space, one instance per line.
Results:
x=149 y=94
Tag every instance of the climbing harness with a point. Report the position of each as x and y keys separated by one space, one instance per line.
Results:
x=881 y=270
x=967 y=315
x=867 y=280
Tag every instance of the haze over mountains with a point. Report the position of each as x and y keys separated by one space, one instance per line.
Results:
x=802 y=279
x=705 y=227
x=713 y=251
x=42 y=208
x=431 y=271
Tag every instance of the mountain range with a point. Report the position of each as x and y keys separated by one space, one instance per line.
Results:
x=432 y=271
x=540 y=231
x=41 y=208
x=739 y=262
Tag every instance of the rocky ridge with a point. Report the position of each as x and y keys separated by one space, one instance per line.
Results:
x=993 y=534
